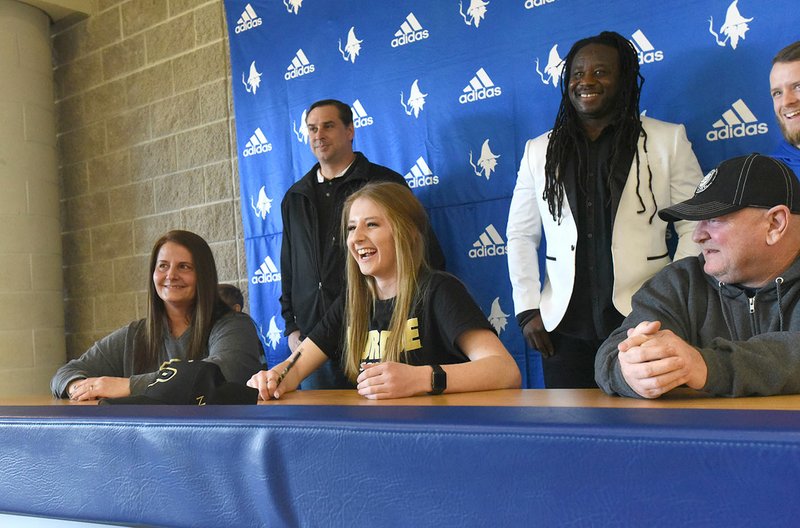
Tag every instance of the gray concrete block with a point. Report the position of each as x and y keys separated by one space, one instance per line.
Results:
x=153 y=159
x=131 y=201
x=124 y=57
x=111 y=241
x=170 y=39
x=179 y=190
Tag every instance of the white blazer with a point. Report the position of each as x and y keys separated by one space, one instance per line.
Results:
x=638 y=248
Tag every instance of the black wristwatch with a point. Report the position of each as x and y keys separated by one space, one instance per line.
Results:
x=438 y=380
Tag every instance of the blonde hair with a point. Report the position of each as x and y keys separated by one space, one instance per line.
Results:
x=409 y=223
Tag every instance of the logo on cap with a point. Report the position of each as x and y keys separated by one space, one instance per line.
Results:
x=706 y=182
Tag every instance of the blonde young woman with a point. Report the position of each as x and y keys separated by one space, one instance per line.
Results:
x=406 y=330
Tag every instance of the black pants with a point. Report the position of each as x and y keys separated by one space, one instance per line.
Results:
x=572 y=365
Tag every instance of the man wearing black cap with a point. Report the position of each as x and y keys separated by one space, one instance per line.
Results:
x=728 y=321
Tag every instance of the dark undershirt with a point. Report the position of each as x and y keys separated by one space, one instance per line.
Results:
x=591 y=313
x=329 y=214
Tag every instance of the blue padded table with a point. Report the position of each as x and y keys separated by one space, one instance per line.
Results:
x=330 y=458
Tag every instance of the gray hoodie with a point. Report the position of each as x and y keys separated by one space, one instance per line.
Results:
x=750 y=344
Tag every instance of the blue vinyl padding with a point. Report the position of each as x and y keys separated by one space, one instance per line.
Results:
x=400 y=466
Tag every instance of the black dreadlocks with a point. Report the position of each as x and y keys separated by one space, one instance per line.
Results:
x=567 y=131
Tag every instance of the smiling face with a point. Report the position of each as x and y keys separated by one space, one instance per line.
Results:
x=174 y=276
x=594 y=80
x=370 y=242
x=784 y=85
x=733 y=246
x=330 y=140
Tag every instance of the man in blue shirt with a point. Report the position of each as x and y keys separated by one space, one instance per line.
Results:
x=784 y=87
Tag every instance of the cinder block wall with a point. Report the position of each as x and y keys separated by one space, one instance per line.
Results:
x=146 y=144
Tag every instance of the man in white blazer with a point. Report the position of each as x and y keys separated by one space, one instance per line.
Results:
x=593 y=186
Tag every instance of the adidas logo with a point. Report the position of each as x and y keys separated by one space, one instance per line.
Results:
x=299 y=66
x=737 y=122
x=267 y=272
x=530 y=4
x=421 y=175
x=644 y=49
x=360 y=117
x=258 y=144
x=489 y=244
x=410 y=31
x=248 y=20
x=480 y=87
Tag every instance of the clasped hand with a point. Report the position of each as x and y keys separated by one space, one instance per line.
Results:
x=655 y=361
x=376 y=381
x=393 y=380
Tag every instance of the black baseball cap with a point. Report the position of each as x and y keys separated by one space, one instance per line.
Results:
x=190 y=383
x=747 y=181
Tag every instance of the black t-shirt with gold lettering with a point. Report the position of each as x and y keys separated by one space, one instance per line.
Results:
x=439 y=317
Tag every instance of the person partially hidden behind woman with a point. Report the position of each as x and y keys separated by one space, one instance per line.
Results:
x=185 y=319
x=411 y=330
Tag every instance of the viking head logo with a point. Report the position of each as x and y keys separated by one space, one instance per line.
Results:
x=293 y=5
x=416 y=100
x=274 y=333
x=264 y=204
x=497 y=318
x=555 y=65
x=302 y=134
x=253 y=82
x=487 y=161
x=475 y=12
x=734 y=27
x=352 y=48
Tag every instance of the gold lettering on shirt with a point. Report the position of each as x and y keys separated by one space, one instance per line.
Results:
x=376 y=341
x=372 y=354
x=411 y=338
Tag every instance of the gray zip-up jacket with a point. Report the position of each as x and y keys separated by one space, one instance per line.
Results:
x=750 y=344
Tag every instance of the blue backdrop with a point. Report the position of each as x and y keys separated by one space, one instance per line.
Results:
x=447 y=93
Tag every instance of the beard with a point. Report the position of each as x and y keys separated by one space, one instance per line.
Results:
x=792 y=136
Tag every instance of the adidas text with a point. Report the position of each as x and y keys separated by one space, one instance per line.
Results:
x=409 y=38
x=422 y=181
x=297 y=72
x=649 y=57
x=257 y=149
x=737 y=131
x=358 y=122
x=477 y=95
x=530 y=4
x=488 y=251
x=250 y=24
x=265 y=278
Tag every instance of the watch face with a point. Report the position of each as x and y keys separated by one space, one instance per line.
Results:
x=438 y=380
